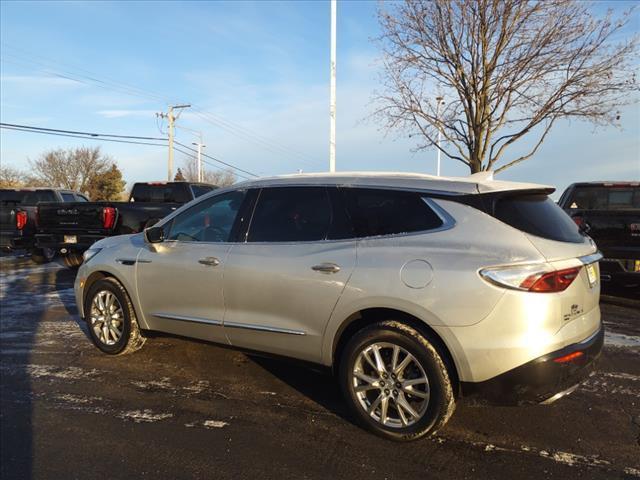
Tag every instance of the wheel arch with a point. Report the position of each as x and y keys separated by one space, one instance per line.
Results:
x=362 y=318
x=99 y=274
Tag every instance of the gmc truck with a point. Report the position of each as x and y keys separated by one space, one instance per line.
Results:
x=609 y=212
x=72 y=228
x=18 y=217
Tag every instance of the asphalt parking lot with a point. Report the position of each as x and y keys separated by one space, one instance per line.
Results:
x=186 y=409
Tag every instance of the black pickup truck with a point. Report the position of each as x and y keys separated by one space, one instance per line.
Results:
x=72 y=228
x=18 y=217
x=609 y=212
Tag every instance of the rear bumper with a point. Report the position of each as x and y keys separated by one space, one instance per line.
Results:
x=13 y=241
x=618 y=273
x=543 y=379
x=56 y=242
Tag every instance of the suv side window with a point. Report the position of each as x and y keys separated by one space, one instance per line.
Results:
x=387 y=212
x=210 y=220
x=291 y=214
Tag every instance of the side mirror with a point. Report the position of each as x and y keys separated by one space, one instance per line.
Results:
x=154 y=235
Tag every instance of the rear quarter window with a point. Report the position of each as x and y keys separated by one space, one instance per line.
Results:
x=539 y=216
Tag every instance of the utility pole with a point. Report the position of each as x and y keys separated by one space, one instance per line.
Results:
x=171 y=131
x=332 y=102
x=439 y=101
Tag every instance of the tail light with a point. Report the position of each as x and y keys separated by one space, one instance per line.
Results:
x=532 y=278
x=108 y=217
x=21 y=220
x=578 y=220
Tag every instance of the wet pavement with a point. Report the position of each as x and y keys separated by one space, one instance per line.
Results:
x=186 y=409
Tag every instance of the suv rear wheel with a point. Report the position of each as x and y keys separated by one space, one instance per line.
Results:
x=112 y=322
x=396 y=382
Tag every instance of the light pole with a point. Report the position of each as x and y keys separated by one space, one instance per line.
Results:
x=200 y=146
x=439 y=101
x=332 y=101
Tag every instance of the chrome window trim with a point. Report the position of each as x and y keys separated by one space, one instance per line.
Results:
x=185 y=318
x=262 y=328
x=588 y=259
x=448 y=222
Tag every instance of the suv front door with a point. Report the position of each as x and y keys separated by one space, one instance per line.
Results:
x=179 y=280
x=283 y=282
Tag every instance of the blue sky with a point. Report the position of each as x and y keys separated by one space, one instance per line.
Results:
x=260 y=68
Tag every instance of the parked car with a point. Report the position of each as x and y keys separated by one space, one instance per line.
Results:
x=609 y=212
x=73 y=228
x=18 y=217
x=415 y=290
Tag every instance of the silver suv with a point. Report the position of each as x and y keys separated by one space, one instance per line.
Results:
x=415 y=290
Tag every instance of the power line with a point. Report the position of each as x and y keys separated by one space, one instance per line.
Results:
x=215 y=159
x=29 y=130
x=82 y=133
x=119 y=139
x=190 y=155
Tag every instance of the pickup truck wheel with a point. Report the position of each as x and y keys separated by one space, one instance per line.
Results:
x=112 y=322
x=396 y=382
x=42 y=255
x=72 y=260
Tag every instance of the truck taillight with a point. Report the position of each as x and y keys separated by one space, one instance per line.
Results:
x=532 y=278
x=108 y=217
x=21 y=220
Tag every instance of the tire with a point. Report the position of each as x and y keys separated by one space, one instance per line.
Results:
x=123 y=318
x=432 y=402
x=42 y=255
x=72 y=260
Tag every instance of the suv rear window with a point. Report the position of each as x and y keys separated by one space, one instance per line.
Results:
x=604 y=198
x=387 y=212
x=160 y=193
x=539 y=216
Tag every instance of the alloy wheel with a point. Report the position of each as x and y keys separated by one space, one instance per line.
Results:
x=391 y=385
x=107 y=317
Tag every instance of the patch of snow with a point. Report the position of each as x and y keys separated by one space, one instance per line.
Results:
x=620 y=340
x=214 y=424
x=146 y=416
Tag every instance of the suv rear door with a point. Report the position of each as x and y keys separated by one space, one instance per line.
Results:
x=282 y=283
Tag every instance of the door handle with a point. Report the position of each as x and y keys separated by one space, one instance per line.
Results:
x=210 y=261
x=326 y=268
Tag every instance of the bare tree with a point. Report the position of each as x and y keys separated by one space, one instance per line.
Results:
x=221 y=178
x=11 y=177
x=72 y=168
x=506 y=69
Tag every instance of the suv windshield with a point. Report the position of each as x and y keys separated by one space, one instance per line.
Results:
x=539 y=216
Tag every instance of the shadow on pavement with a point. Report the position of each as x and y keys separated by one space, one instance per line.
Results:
x=318 y=386
x=26 y=291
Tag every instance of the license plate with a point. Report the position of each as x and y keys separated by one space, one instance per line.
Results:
x=592 y=273
x=70 y=239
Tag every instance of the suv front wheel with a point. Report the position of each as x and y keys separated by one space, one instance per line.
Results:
x=396 y=382
x=111 y=319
